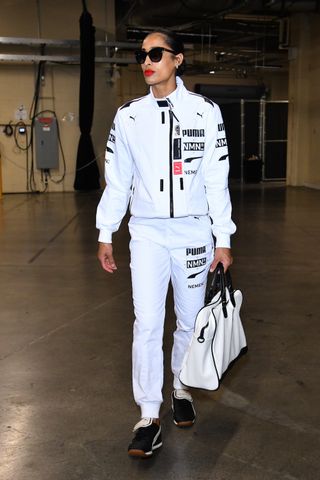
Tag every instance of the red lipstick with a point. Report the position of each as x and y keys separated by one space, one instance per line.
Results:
x=148 y=73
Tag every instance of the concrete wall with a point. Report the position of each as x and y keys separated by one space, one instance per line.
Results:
x=60 y=89
x=304 y=98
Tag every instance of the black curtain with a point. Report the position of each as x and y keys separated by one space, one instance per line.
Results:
x=87 y=172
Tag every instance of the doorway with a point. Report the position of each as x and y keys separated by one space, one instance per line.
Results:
x=256 y=131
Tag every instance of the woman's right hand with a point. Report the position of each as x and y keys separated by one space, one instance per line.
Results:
x=105 y=257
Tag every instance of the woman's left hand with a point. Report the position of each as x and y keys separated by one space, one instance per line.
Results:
x=224 y=256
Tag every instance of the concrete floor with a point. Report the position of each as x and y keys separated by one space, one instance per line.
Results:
x=65 y=332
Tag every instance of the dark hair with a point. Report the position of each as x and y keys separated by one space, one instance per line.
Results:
x=175 y=43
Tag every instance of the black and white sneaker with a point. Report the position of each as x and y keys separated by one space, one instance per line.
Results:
x=147 y=438
x=184 y=414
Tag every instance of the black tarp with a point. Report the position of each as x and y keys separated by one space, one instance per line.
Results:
x=87 y=172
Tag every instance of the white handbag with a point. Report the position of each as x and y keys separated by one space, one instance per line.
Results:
x=218 y=338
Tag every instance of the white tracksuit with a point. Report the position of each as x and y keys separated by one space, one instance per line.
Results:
x=169 y=157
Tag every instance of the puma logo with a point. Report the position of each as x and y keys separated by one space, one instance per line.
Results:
x=193 y=275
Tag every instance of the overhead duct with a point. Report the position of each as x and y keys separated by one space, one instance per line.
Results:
x=289 y=6
x=145 y=12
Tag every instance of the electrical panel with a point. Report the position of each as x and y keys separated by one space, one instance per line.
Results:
x=47 y=144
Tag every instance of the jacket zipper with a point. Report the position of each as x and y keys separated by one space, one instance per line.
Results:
x=170 y=162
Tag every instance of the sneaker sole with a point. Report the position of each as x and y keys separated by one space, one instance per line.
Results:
x=141 y=453
x=186 y=424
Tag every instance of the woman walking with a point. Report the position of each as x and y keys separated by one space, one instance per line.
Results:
x=166 y=155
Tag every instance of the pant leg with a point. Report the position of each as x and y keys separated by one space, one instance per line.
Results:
x=150 y=270
x=189 y=269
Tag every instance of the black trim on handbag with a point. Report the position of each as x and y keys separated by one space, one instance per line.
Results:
x=218 y=338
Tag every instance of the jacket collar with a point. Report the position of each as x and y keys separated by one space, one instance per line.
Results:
x=171 y=99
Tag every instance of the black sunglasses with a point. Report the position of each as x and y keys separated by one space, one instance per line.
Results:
x=155 y=54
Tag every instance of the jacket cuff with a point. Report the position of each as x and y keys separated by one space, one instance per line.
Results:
x=223 y=240
x=105 y=236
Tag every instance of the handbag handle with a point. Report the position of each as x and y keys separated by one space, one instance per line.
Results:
x=215 y=285
x=220 y=282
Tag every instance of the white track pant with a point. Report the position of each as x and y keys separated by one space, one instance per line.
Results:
x=180 y=249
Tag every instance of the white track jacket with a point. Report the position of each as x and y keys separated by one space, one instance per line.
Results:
x=169 y=158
